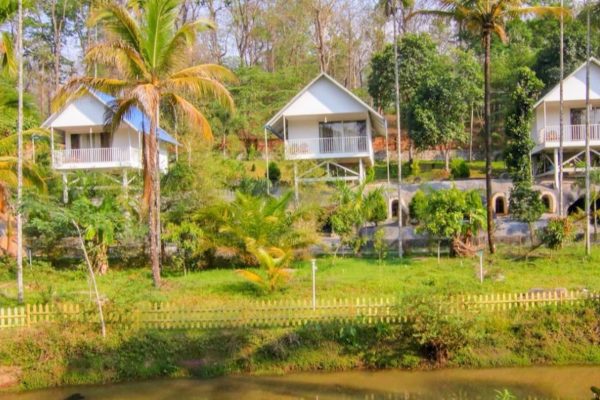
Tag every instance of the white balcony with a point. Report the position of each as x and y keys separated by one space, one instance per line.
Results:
x=97 y=158
x=573 y=135
x=321 y=148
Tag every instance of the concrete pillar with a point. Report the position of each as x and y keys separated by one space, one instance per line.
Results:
x=556 y=168
x=125 y=183
x=65 y=188
x=361 y=170
x=296 y=194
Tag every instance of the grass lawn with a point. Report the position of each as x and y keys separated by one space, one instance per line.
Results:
x=508 y=271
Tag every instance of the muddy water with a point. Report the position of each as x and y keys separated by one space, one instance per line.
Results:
x=524 y=383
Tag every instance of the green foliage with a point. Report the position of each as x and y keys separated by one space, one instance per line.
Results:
x=525 y=203
x=439 y=333
x=505 y=394
x=415 y=55
x=440 y=106
x=190 y=242
x=380 y=245
x=354 y=209
x=274 y=172
x=375 y=207
x=264 y=221
x=273 y=268
x=459 y=169
x=449 y=213
x=518 y=125
x=417 y=208
x=101 y=219
x=558 y=232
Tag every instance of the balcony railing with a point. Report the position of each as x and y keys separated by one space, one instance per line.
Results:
x=97 y=157
x=571 y=133
x=324 y=146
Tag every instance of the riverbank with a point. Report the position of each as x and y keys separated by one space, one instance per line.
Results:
x=59 y=355
x=572 y=382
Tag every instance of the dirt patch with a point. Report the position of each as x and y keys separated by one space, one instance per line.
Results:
x=10 y=376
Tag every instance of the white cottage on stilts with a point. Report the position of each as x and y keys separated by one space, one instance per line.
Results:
x=80 y=139
x=327 y=123
x=546 y=130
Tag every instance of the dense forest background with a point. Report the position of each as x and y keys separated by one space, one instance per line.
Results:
x=275 y=47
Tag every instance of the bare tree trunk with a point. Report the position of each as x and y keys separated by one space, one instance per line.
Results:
x=92 y=278
x=588 y=160
x=471 y=137
x=487 y=39
x=399 y=134
x=20 y=288
x=319 y=37
x=561 y=118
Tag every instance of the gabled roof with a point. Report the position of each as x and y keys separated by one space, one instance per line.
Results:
x=136 y=119
x=275 y=124
x=552 y=94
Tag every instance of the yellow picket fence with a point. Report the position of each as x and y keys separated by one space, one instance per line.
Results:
x=281 y=313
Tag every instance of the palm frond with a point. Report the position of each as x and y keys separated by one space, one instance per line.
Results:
x=191 y=113
x=79 y=86
x=201 y=88
x=7 y=55
x=120 y=55
x=181 y=41
x=158 y=26
x=211 y=71
x=117 y=20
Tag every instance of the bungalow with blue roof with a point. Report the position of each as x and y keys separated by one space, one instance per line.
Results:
x=80 y=139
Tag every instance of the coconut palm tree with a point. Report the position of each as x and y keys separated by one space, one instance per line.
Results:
x=149 y=56
x=488 y=18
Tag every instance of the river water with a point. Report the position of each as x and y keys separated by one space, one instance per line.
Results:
x=563 y=383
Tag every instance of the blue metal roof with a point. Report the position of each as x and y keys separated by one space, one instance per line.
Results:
x=135 y=118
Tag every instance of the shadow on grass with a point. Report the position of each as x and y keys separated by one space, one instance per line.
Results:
x=242 y=288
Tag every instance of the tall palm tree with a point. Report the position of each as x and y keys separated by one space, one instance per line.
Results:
x=149 y=55
x=488 y=18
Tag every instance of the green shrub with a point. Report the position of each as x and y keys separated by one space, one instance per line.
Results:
x=440 y=334
x=379 y=245
x=415 y=168
x=558 y=231
x=459 y=169
x=274 y=172
x=418 y=205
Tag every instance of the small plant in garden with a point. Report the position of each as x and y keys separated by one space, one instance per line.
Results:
x=190 y=242
x=274 y=172
x=505 y=394
x=459 y=169
x=379 y=245
x=558 y=231
x=273 y=263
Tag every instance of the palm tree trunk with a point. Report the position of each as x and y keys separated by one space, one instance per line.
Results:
x=20 y=289
x=487 y=39
x=150 y=199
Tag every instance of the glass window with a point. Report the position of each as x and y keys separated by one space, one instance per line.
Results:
x=342 y=136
